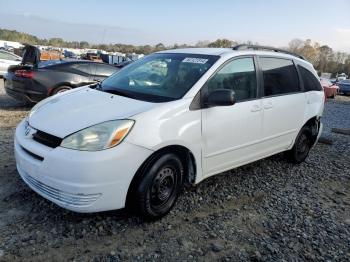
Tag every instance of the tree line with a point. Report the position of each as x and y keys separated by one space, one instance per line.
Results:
x=323 y=57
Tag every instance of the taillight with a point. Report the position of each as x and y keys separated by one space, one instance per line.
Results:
x=24 y=73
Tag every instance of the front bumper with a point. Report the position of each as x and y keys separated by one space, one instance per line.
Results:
x=77 y=180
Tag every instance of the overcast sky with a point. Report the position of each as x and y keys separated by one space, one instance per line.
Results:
x=269 y=22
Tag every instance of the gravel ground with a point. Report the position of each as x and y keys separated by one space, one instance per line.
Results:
x=268 y=210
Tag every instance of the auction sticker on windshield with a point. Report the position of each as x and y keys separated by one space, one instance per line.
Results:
x=195 y=60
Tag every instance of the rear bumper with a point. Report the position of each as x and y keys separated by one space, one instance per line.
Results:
x=26 y=95
x=330 y=92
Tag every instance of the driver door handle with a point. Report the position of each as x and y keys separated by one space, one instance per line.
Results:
x=256 y=108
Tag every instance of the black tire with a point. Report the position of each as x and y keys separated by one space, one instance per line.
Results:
x=158 y=187
x=60 y=89
x=301 y=148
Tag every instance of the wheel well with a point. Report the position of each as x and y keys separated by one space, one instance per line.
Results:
x=60 y=85
x=182 y=152
x=313 y=125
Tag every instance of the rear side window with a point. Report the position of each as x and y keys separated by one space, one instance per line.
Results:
x=280 y=76
x=238 y=75
x=311 y=83
x=82 y=67
x=102 y=69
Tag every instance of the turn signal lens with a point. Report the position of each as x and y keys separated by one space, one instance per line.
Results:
x=118 y=137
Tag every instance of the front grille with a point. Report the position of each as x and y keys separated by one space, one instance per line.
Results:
x=47 y=139
x=65 y=198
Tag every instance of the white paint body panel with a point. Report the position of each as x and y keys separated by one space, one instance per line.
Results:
x=230 y=135
x=282 y=119
x=219 y=138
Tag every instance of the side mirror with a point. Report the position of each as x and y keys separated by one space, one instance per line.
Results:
x=221 y=97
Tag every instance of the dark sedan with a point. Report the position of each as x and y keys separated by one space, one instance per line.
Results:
x=344 y=86
x=51 y=77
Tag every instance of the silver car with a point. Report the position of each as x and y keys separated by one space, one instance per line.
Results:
x=7 y=59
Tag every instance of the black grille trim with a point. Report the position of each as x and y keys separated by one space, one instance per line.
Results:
x=47 y=139
x=40 y=158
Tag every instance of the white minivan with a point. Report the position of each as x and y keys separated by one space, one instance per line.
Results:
x=172 y=117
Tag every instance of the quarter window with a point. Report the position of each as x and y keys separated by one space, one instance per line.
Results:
x=280 y=76
x=238 y=75
x=311 y=83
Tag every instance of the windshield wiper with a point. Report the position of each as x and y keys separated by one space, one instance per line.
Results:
x=116 y=92
x=96 y=86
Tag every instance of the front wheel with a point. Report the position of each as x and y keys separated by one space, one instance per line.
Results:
x=301 y=148
x=158 y=187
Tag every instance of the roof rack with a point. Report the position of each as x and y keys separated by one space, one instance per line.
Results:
x=268 y=48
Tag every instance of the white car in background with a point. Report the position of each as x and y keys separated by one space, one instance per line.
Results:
x=7 y=59
x=341 y=77
x=173 y=117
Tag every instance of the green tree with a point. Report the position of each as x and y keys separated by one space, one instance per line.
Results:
x=159 y=47
x=221 y=43
x=84 y=44
x=58 y=42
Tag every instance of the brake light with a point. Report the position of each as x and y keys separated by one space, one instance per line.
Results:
x=24 y=73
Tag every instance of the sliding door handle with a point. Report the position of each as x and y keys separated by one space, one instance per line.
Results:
x=256 y=108
x=268 y=105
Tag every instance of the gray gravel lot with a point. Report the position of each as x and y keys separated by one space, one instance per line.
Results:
x=5 y=100
x=268 y=210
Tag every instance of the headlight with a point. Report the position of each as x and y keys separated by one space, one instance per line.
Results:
x=100 y=136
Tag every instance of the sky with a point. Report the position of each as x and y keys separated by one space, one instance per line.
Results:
x=268 y=22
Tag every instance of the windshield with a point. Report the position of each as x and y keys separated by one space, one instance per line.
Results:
x=159 y=77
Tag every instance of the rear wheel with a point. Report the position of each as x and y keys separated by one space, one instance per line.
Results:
x=60 y=89
x=158 y=187
x=301 y=148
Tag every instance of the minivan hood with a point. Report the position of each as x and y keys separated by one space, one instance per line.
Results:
x=71 y=111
